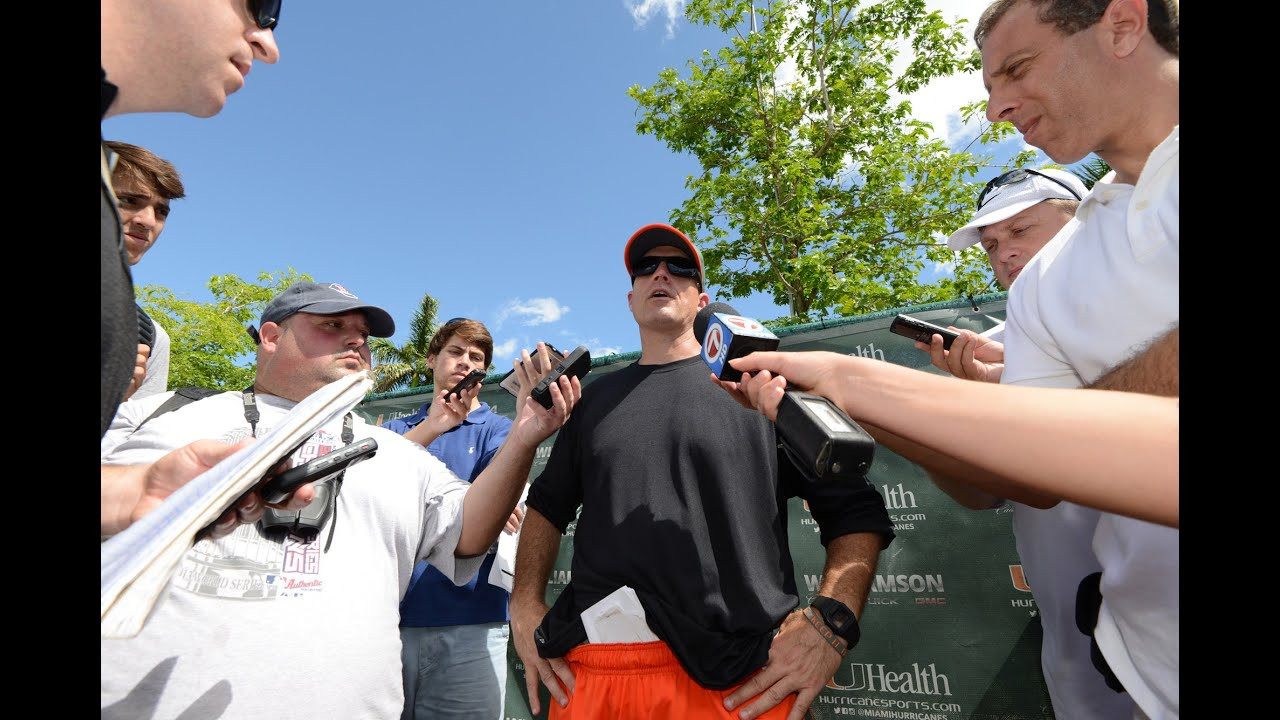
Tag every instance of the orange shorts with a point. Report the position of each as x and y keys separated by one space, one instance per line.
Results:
x=642 y=681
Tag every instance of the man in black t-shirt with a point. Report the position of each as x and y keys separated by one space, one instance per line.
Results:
x=683 y=500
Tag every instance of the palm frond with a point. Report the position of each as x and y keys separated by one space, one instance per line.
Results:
x=1091 y=171
x=405 y=366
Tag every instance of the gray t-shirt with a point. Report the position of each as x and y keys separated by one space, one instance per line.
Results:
x=157 y=379
x=256 y=625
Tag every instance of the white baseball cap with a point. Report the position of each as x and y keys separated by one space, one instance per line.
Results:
x=1011 y=193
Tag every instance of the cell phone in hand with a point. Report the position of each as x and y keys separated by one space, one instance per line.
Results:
x=467 y=382
x=511 y=382
x=921 y=331
x=322 y=468
x=577 y=364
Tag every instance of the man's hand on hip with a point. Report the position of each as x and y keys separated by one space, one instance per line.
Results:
x=800 y=661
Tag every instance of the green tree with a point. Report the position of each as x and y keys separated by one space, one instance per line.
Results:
x=822 y=191
x=209 y=345
x=405 y=366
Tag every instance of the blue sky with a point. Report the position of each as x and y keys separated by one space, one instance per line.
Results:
x=485 y=153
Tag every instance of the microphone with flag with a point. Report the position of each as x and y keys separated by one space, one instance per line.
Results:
x=820 y=439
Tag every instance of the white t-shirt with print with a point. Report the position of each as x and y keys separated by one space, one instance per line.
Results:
x=256 y=626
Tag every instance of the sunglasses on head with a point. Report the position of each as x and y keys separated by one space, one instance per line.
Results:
x=265 y=12
x=451 y=321
x=1016 y=176
x=677 y=265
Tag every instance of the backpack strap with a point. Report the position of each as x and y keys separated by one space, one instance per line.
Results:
x=181 y=397
x=146 y=329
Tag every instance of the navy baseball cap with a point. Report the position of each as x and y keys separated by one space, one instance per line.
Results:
x=324 y=299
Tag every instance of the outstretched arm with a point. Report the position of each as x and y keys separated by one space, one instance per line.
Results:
x=1072 y=443
x=495 y=492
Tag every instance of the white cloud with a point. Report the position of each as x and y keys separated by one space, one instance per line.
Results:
x=938 y=102
x=534 y=311
x=503 y=353
x=645 y=10
x=595 y=345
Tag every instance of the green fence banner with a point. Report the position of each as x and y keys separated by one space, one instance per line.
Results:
x=950 y=631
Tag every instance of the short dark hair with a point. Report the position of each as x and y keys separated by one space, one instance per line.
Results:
x=145 y=167
x=472 y=332
x=1071 y=16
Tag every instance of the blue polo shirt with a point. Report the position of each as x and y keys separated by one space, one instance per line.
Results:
x=432 y=600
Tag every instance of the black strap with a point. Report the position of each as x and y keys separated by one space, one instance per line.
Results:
x=181 y=396
x=1088 y=603
x=348 y=436
x=348 y=429
x=251 y=410
x=330 y=514
x=146 y=329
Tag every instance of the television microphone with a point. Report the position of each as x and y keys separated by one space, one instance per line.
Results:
x=820 y=439
x=725 y=335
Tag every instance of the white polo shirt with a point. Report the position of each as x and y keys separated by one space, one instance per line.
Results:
x=1102 y=289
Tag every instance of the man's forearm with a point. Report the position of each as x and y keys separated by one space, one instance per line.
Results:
x=850 y=568
x=423 y=433
x=1071 y=443
x=960 y=474
x=964 y=494
x=1152 y=370
x=492 y=497
x=535 y=555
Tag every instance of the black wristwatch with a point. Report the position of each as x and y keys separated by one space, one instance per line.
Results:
x=838 y=617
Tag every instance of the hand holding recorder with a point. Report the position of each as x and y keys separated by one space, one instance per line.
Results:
x=821 y=440
x=522 y=375
x=533 y=375
x=963 y=353
x=921 y=331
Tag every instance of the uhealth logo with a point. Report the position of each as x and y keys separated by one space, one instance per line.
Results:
x=874 y=677
x=1019 y=580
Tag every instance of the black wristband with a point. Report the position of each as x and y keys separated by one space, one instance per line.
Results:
x=835 y=640
x=838 y=617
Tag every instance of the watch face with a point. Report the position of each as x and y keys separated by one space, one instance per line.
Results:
x=840 y=616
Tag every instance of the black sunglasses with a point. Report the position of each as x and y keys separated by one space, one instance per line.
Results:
x=451 y=321
x=678 y=265
x=1016 y=176
x=265 y=12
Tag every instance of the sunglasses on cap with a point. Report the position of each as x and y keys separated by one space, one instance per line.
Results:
x=265 y=12
x=677 y=265
x=1014 y=177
